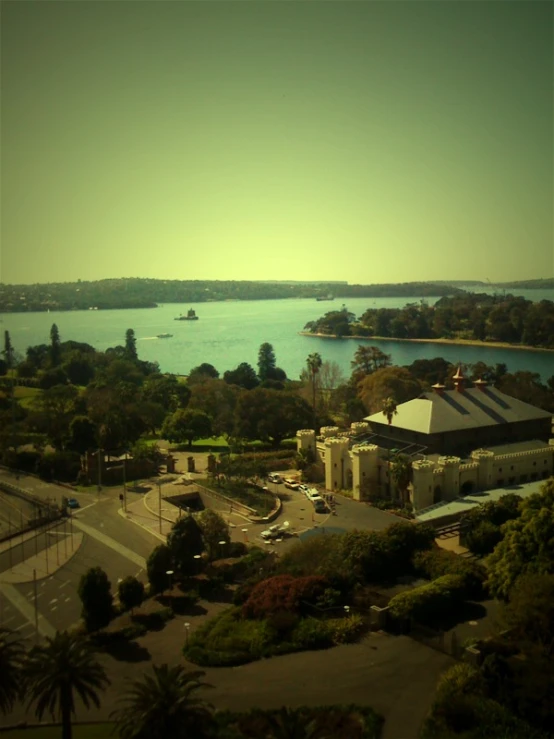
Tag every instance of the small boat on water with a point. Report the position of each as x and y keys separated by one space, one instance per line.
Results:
x=191 y=316
x=325 y=297
x=164 y=336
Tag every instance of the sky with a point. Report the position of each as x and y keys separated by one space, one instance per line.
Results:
x=369 y=142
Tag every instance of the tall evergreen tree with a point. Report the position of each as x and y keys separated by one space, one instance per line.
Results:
x=8 y=350
x=266 y=362
x=55 y=346
x=130 y=345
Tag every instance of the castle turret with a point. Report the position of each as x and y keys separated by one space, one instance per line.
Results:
x=337 y=462
x=485 y=471
x=359 y=427
x=365 y=470
x=451 y=479
x=305 y=439
x=422 y=484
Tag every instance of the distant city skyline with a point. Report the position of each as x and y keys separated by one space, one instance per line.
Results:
x=364 y=142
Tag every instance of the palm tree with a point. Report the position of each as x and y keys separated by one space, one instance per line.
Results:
x=290 y=724
x=12 y=654
x=389 y=409
x=162 y=706
x=314 y=363
x=55 y=671
x=401 y=473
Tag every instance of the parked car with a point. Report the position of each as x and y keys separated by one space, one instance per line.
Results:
x=273 y=477
x=304 y=489
x=292 y=484
x=73 y=503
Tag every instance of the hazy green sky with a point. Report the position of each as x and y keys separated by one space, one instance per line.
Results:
x=359 y=141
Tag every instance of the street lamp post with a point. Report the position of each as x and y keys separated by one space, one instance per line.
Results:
x=347 y=610
x=169 y=573
x=186 y=627
x=99 y=487
x=222 y=545
x=125 y=483
x=245 y=532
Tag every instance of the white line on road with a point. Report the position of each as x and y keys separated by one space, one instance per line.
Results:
x=138 y=573
x=67 y=600
x=84 y=508
x=53 y=608
x=8 y=621
x=54 y=600
x=67 y=582
x=19 y=602
x=112 y=544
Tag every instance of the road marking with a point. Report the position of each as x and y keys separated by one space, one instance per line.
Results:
x=112 y=544
x=42 y=585
x=83 y=509
x=9 y=620
x=67 y=582
x=53 y=608
x=54 y=600
x=67 y=600
x=29 y=594
x=19 y=602
x=138 y=573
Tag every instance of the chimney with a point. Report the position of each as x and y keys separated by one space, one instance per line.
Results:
x=438 y=388
x=481 y=384
x=459 y=380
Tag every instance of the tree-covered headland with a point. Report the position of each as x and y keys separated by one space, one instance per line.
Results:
x=468 y=316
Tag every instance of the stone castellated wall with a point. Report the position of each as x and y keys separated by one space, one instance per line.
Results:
x=365 y=468
x=329 y=431
x=359 y=427
x=337 y=463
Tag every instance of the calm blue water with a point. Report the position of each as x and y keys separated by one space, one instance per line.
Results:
x=229 y=333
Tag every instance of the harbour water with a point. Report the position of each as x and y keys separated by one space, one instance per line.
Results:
x=228 y=333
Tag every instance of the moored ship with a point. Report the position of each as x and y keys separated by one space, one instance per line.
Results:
x=191 y=316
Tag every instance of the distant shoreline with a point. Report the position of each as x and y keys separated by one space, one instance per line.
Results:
x=451 y=342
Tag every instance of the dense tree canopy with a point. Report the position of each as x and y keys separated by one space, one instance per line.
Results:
x=528 y=543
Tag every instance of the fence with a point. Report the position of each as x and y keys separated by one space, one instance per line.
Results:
x=45 y=511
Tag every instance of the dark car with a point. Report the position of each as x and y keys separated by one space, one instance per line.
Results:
x=73 y=503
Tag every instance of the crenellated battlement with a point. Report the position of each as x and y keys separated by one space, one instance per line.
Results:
x=365 y=449
x=449 y=461
x=528 y=453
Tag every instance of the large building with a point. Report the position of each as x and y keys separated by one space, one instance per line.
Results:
x=459 y=441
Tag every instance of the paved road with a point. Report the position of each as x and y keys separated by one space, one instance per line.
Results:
x=395 y=675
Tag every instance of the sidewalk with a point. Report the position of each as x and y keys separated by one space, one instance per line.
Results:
x=46 y=562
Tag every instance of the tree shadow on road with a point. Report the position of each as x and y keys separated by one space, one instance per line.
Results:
x=127 y=651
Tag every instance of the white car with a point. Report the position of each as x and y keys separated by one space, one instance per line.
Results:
x=292 y=484
x=276 y=479
x=304 y=489
x=313 y=494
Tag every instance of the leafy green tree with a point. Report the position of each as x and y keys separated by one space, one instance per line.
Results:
x=530 y=610
x=271 y=415
x=12 y=655
x=243 y=376
x=54 y=672
x=218 y=400
x=130 y=345
x=187 y=425
x=163 y=705
x=131 y=593
x=389 y=382
x=167 y=391
x=157 y=565
x=55 y=346
x=483 y=538
x=368 y=359
x=204 y=371
x=214 y=530
x=82 y=434
x=51 y=377
x=266 y=362
x=54 y=410
x=78 y=368
x=527 y=544
x=185 y=543
x=95 y=593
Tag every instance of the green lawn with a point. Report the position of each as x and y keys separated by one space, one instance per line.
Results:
x=26 y=395
x=80 y=731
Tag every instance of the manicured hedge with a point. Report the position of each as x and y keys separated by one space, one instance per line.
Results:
x=436 y=562
x=431 y=602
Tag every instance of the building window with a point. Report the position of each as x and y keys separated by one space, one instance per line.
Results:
x=534 y=464
x=500 y=469
x=363 y=475
x=500 y=483
x=335 y=465
x=512 y=467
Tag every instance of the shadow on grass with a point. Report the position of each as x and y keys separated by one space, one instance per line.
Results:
x=468 y=611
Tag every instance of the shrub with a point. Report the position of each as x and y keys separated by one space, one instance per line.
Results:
x=283 y=593
x=435 y=562
x=158 y=563
x=482 y=539
x=131 y=592
x=95 y=593
x=346 y=630
x=62 y=466
x=430 y=602
x=27 y=460
x=311 y=633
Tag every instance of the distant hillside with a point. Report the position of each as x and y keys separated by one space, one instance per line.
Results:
x=146 y=293
x=546 y=284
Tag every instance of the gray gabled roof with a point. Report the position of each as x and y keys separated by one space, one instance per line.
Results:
x=432 y=413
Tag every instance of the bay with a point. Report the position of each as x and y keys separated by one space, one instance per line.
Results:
x=228 y=333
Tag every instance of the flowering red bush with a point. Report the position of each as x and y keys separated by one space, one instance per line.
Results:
x=283 y=593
